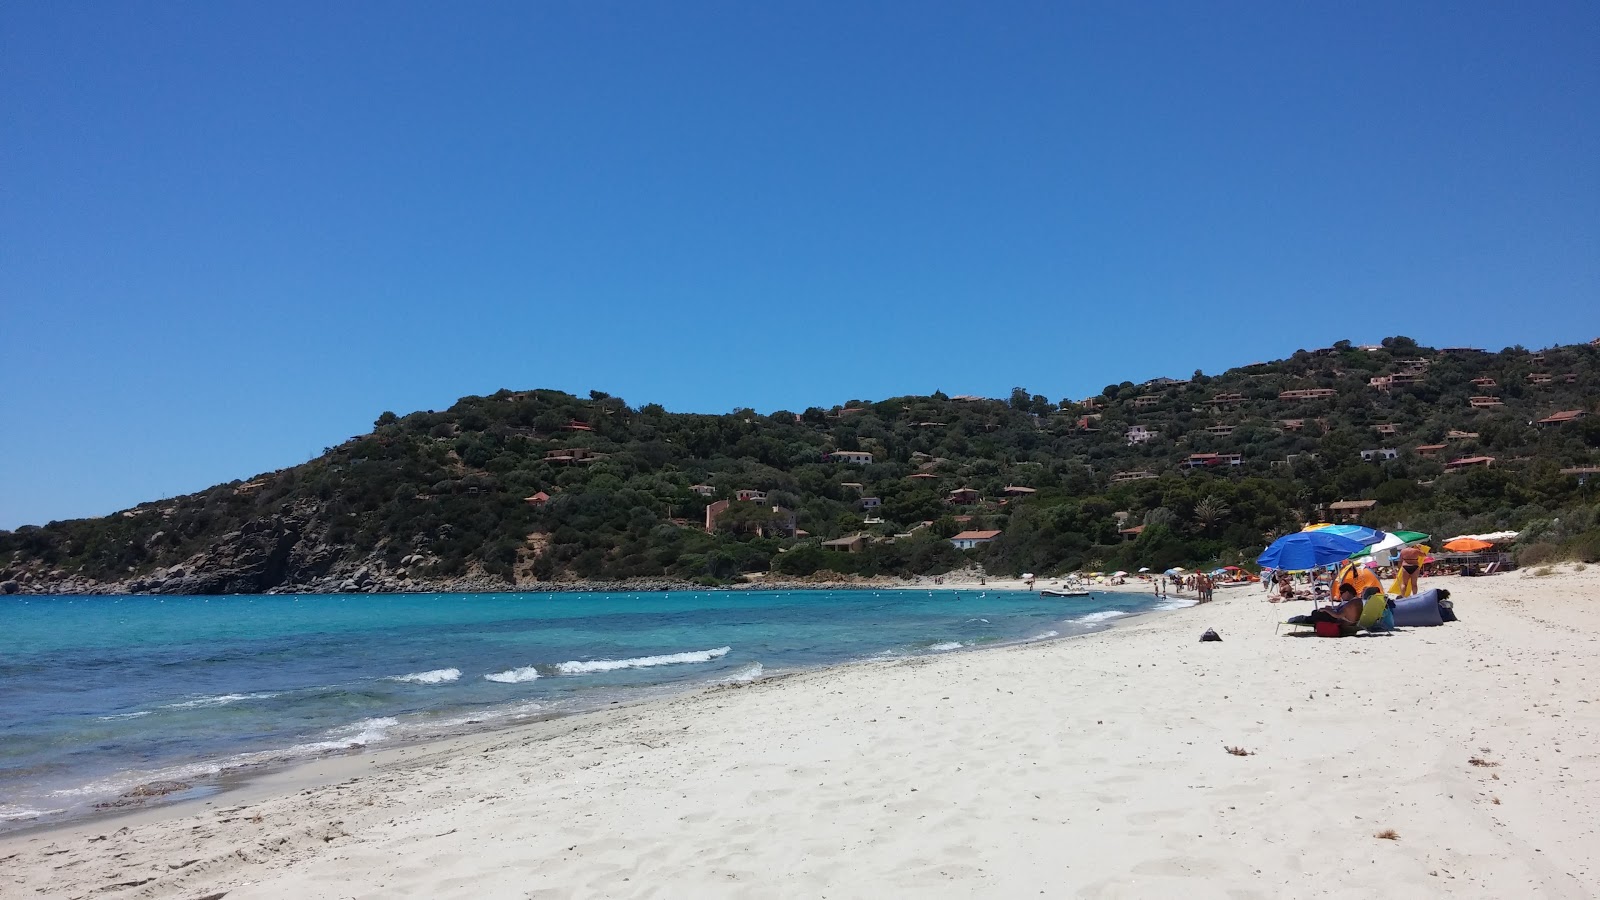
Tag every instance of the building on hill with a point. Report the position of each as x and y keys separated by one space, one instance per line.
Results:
x=1484 y=402
x=1226 y=400
x=1131 y=476
x=966 y=540
x=1292 y=424
x=1469 y=462
x=1139 y=434
x=1017 y=490
x=575 y=425
x=1221 y=430
x=869 y=503
x=1209 y=460
x=1484 y=383
x=1146 y=401
x=1386 y=428
x=1131 y=534
x=750 y=495
x=1461 y=351
x=854 y=543
x=1308 y=394
x=1563 y=417
x=538 y=499
x=963 y=496
x=782 y=523
x=704 y=490
x=1429 y=451
x=1350 y=510
x=923 y=476
x=854 y=457
x=1387 y=383
x=572 y=455
x=1379 y=455
x=1539 y=378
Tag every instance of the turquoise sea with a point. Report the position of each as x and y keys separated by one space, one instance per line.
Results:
x=101 y=694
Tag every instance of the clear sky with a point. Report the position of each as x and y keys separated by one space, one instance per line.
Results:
x=231 y=234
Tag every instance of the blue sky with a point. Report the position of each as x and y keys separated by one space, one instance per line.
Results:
x=232 y=234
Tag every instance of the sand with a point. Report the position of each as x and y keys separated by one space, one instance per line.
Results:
x=1090 y=767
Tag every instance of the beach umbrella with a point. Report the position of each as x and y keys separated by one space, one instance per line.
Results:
x=1144 y=569
x=1361 y=534
x=1307 y=550
x=1118 y=574
x=1466 y=545
x=1318 y=527
x=1175 y=570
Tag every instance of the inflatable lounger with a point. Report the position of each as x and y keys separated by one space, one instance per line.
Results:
x=1422 y=609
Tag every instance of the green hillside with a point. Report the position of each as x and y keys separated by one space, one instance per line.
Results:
x=436 y=495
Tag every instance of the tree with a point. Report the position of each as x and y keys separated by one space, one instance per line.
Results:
x=1210 y=512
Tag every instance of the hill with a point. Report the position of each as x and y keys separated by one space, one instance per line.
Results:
x=541 y=488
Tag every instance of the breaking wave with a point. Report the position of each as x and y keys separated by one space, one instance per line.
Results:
x=947 y=645
x=1102 y=616
x=586 y=667
x=746 y=675
x=514 y=676
x=433 y=676
x=220 y=700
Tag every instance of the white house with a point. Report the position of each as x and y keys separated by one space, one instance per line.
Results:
x=859 y=457
x=1138 y=434
x=966 y=540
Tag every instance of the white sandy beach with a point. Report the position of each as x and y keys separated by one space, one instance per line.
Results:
x=1090 y=767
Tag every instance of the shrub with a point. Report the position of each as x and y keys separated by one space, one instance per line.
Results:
x=1538 y=554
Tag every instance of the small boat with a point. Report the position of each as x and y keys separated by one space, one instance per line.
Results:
x=1066 y=593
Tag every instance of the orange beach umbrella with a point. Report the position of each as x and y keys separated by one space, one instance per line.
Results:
x=1467 y=545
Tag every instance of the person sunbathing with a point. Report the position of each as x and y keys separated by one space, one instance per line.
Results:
x=1346 y=613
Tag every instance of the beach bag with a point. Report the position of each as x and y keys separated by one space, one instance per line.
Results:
x=1328 y=629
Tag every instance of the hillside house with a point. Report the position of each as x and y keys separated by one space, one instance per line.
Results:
x=704 y=490
x=1292 y=424
x=854 y=543
x=1308 y=394
x=1209 y=460
x=1539 y=378
x=1484 y=383
x=1139 y=434
x=1131 y=534
x=1469 y=462
x=1380 y=455
x=966 y=540
x=1385 y=428
x=783 y=522
x=1017 y=490
x=750 y=495
x=1226 y=400
x=1454 y=435
x=1089 y=422
x=869 y=503
x=575 y=425
x=1484 y=402
x=572 y=455
x=1146 y=402
x=1090 y=404
x=1562 y=418
x=854 y=457
x=1430 y=451
x=538 y=499
x=962 y=497
x=923 y=476
x=1387 y=383
x=1350 y=510
x=1221 y=430
x=1131 y=476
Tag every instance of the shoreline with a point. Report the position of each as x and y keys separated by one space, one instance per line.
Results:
x=247 y=770
x=1090 y=767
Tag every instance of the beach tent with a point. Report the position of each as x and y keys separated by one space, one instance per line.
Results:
x=1467 y=545
x=1308 y=550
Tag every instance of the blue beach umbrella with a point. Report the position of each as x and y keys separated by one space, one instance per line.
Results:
x=1308 y=550
x=1361 y=534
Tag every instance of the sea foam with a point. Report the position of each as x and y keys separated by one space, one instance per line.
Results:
x=746 y=675
x=947 y=645
x=433 y=676
x=590 y=666
x=513 y=676
x=1102 y=616
x=220 y=700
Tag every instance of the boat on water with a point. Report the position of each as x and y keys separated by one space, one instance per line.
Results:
x=1066 y=593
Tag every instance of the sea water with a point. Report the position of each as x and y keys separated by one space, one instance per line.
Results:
x=102 y=694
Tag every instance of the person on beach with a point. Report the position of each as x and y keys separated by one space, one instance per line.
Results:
x=1346 y=614
x=1406 y=581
